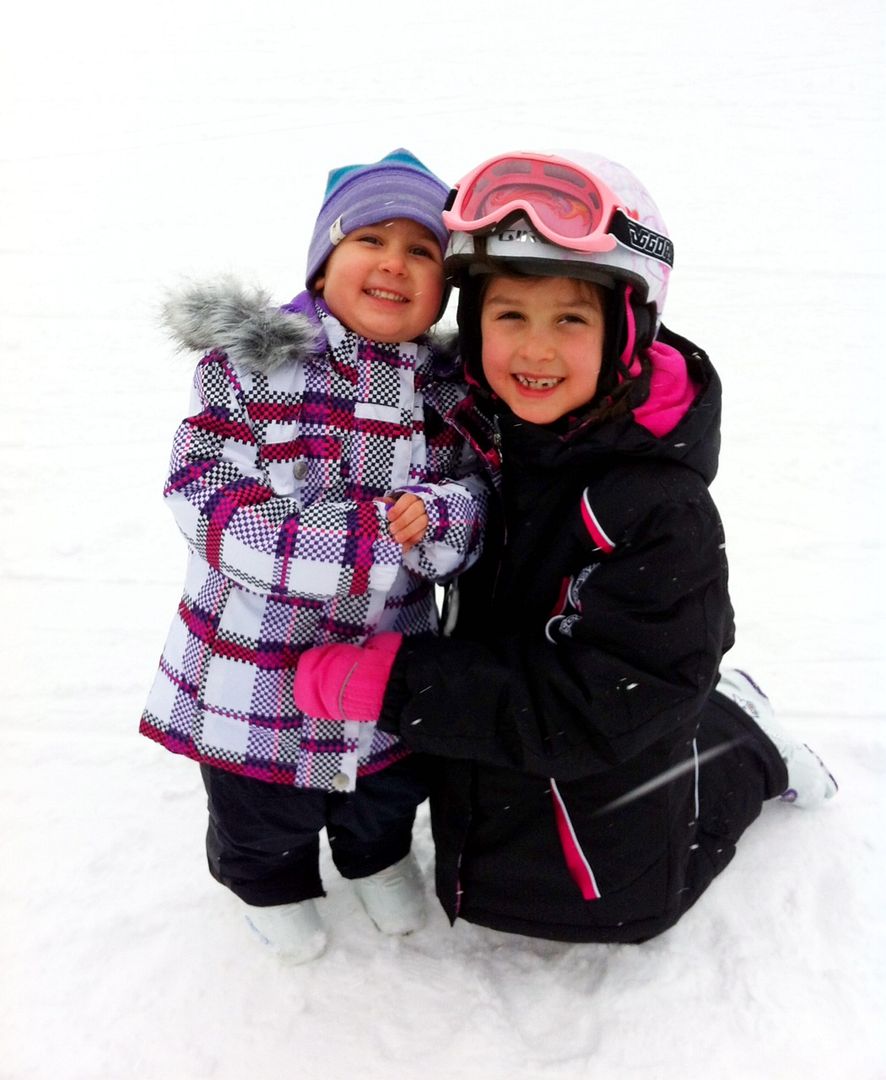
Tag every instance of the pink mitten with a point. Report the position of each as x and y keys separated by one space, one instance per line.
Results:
x=346 y=682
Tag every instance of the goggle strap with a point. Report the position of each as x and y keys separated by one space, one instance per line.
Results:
x=631 y=234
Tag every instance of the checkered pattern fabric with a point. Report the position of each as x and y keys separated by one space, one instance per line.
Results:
x=274 y=482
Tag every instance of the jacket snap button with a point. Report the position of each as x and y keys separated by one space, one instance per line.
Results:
x=340 y=782
x=300 y=470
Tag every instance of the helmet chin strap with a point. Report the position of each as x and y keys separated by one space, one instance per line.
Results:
x=630 y=329
x=470 y=342
x=639 y=330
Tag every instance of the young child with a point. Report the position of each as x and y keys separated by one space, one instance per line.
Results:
x=595 y=770
x=321 y=495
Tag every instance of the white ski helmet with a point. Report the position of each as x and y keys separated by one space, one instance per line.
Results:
x=574 y=214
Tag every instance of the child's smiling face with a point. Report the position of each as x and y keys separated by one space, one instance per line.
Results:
x=542 y=344
x=385 y=281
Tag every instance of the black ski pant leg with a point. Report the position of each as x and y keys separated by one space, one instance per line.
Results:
x=371 y=828
x=263 y=839
x=743 y=771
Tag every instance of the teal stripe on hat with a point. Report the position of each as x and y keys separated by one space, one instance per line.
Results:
x=396 y=157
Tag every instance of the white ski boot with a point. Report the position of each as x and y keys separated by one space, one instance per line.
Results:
x=394 y=898
x=294 y=932
x=809 y=781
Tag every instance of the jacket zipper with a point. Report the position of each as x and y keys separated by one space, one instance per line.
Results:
x=496 y=435
x=497 y=443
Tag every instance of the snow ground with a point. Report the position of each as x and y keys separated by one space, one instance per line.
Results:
x=140 y=146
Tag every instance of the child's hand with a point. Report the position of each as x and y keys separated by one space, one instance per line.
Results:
x=407 y=521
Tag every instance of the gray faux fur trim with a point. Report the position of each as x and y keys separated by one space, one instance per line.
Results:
x=243 y=322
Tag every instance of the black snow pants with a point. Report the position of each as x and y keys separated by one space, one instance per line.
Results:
x=263 y=840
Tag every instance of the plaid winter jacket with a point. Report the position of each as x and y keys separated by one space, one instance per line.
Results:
x=298 y=426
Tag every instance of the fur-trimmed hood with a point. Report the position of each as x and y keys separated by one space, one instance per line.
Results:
x=244 y=323
x=255 y=334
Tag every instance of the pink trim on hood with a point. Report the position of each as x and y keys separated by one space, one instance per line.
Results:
x=671 y=391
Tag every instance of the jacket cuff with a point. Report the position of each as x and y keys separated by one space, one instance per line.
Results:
x=437 y=527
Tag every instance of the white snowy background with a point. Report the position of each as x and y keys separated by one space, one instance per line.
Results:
x=141 y=145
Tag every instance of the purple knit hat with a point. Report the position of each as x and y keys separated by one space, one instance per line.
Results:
x=398 y=186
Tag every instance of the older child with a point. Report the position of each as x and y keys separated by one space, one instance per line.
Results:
x=321 y=495
x=593 y=774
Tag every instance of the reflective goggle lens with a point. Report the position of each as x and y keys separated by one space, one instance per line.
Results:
x=560 y=213
x=566 y=201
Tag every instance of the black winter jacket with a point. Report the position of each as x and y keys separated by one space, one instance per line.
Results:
x=586 y=647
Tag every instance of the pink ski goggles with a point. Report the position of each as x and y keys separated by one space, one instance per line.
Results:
x=566 y=203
